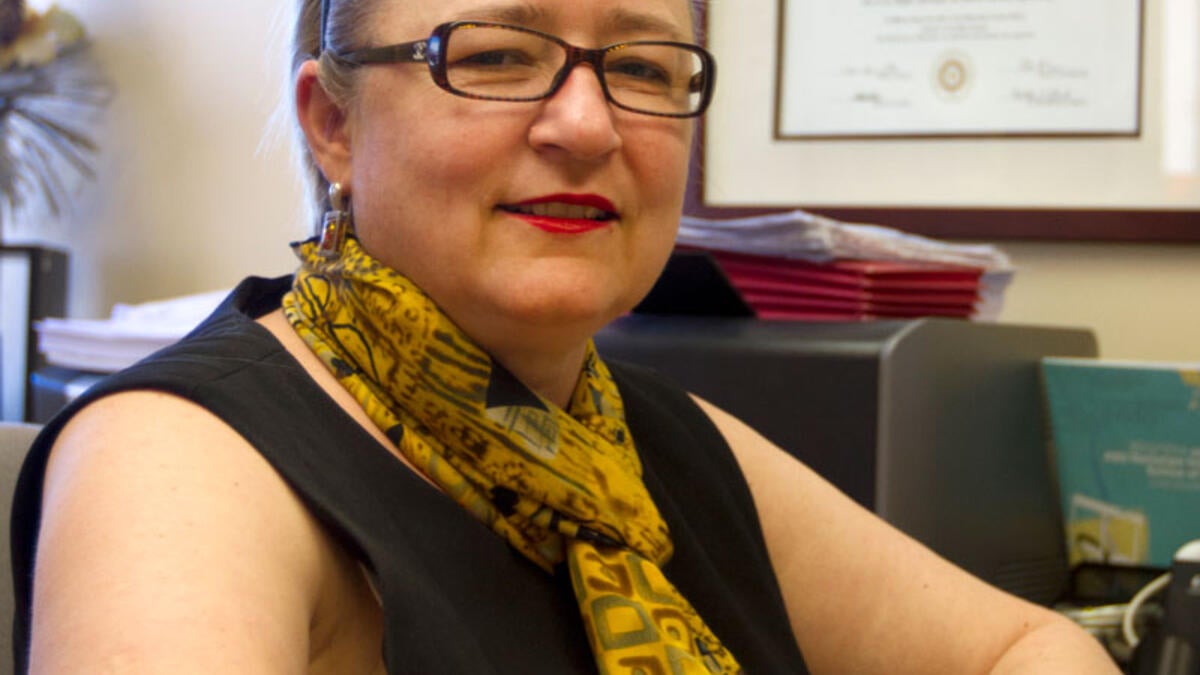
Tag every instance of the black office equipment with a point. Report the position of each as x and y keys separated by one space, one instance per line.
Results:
x=935 y=424
x=33 y=285
x=1173 y=646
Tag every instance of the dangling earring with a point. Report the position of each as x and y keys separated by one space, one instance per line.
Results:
x=337 y=223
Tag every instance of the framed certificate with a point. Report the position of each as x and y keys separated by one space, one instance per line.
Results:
x=1039 y=119
x=980 y=68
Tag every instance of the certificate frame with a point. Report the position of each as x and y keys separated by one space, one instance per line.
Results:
x=1076 y=216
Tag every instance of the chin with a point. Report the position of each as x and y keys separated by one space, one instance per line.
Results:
x=550 y=310
x=568 y=290
x=558 y=305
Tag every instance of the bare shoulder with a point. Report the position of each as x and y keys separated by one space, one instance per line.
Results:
x=778 y=482
x=164 y=534
x=864 y=597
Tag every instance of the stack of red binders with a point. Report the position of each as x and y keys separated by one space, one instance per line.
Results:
x=804 y=266
x=850 y=290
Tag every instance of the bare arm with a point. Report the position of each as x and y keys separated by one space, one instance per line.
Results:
x=169 y=545
x=865 y=598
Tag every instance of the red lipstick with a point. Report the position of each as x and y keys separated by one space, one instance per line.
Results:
x=565 y=213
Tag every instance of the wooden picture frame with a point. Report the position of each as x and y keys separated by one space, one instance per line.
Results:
x=1072 y=216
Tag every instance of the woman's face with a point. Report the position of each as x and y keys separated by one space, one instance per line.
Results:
x=436 y=178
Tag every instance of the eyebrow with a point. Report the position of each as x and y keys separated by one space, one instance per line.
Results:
x=519 y=13
x=624 y=21
x=619 y=21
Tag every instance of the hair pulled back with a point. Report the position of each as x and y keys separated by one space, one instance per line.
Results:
x=346 y=28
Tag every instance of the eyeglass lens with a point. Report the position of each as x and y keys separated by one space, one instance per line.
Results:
x=503 y=63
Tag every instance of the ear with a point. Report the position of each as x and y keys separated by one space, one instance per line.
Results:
x=325 y=125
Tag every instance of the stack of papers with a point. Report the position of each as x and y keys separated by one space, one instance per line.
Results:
x=799 y=265
x=807 y=236
x=131 y=333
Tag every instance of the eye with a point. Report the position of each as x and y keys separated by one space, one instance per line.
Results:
x=496 y=58
x=640 y=70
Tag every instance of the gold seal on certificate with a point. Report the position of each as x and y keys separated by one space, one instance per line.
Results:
x=953 y=75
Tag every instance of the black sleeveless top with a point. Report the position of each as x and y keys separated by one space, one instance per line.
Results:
x=456 y=598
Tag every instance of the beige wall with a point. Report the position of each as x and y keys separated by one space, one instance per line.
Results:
x=1143 y=301
x=185 y=202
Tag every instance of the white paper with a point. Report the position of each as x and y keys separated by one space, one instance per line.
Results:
x=132 y=333
x=959 y=67
x=808 y=236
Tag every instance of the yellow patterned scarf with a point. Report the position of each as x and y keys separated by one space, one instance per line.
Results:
x=557 y=485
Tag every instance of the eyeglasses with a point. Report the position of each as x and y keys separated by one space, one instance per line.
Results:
x=499 y=62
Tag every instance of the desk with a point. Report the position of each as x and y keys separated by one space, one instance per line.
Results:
x=52 y=388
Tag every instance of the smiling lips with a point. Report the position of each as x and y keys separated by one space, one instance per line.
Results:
x=565 y=213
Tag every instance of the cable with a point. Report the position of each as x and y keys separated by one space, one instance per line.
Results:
x=1135 y=604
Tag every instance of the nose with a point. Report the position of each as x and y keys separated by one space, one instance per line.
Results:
x=577 y=120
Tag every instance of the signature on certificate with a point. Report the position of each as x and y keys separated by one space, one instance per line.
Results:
x=1049 y=70
x=1048 y=97
x=888 y=72
x=876 y=99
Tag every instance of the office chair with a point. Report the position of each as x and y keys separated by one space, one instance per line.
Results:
x=15 y=439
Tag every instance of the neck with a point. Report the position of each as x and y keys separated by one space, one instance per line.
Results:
x=547 y=357
x=552 y=375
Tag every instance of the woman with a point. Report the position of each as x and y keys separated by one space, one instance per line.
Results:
x=299 y=486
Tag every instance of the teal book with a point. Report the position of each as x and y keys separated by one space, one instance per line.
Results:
x=1125 y=438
